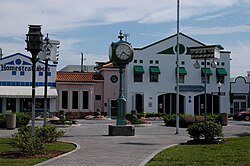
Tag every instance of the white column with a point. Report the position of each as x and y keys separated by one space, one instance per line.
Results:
x=17 y=104
x=4 y=105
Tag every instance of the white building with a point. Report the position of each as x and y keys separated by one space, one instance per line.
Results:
x=15 y=84
x=240 y=93
x=151 y=79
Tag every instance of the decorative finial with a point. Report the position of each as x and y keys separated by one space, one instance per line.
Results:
x=121 y=36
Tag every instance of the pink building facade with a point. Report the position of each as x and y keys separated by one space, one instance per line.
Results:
x=84 y=93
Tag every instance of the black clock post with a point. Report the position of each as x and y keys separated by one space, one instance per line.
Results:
x=121 y=53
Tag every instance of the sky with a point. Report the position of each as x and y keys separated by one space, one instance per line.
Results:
x=89 y=26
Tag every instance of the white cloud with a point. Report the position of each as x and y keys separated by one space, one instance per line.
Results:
x=215 y=30
x=59 y=15
x=214 y=16
x=240 y=58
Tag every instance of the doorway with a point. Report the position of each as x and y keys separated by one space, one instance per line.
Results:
x=113 y=108
x=139 y=103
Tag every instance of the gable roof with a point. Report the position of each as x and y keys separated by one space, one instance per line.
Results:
x=78 y=77
x=168 y=39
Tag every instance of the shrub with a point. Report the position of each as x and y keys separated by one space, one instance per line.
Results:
x=186 y=120
x=133 y=119
x=23 y=138
x=63 y=122
x=49 y=133
x=195 y=130
x=23 y=141
x=147 y=115
x=209 y=130
x=170 y=120
x=214 y=118
x=2 y=120
x=22 y=119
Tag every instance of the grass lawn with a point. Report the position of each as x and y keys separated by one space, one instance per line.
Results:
x=16 y=160
x=236 y=151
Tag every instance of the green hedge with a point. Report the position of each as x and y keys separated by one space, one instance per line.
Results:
x=22 y=119
x=186 y=120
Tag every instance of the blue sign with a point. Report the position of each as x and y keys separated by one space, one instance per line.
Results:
x=191 y=88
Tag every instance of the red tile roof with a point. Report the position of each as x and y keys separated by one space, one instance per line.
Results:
x=106 y=65
x=78 y=77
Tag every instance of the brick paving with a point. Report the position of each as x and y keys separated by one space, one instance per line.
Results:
x=96 y=148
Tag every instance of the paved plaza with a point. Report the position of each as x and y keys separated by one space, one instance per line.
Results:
x=96 y=148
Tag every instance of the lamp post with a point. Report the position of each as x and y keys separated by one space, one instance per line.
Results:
x=177 y=71
x=34 y=45
x=219 y=88
x=49 y=53
x=205 y=53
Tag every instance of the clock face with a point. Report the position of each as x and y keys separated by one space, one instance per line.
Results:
x=114 y=78
x=123 y=51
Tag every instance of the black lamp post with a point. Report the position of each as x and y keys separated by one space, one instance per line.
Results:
x=34 y=42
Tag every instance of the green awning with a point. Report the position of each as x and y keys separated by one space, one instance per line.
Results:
x=208 y=71
x=221 y=72
x=138 y=70
x=155 y=70
x=182 y=71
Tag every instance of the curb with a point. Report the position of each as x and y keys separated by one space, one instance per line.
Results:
x=65 y=154
x=154 y=154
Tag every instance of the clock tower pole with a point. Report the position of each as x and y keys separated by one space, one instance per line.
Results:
x=121 y=53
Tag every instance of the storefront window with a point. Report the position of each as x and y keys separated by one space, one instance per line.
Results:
x=26 y=105
x=11 y=104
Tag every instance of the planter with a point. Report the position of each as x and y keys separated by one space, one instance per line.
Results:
x=11 y=121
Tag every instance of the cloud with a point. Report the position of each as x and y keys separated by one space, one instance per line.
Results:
x=215 y=30
x=61 y=15
x=240 y=55
x=210 y=17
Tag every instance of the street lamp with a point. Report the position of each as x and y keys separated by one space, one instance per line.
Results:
x=49 y=53
x=34 y=42
x=205 y=53
x=177 y=69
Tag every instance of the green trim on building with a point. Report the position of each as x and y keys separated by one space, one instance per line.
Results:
x=154 y=70
x=207 y=70
x=221 y=72
x=182 y=71
x=138 y=70
x=167 y=51
x=170 y=50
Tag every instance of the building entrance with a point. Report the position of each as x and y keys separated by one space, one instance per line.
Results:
x=167 y=103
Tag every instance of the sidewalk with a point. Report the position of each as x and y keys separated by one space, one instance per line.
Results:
x=99 y=149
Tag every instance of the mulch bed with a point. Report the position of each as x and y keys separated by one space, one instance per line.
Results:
x=18 y=155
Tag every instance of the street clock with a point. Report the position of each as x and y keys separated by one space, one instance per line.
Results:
x=121 y=52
